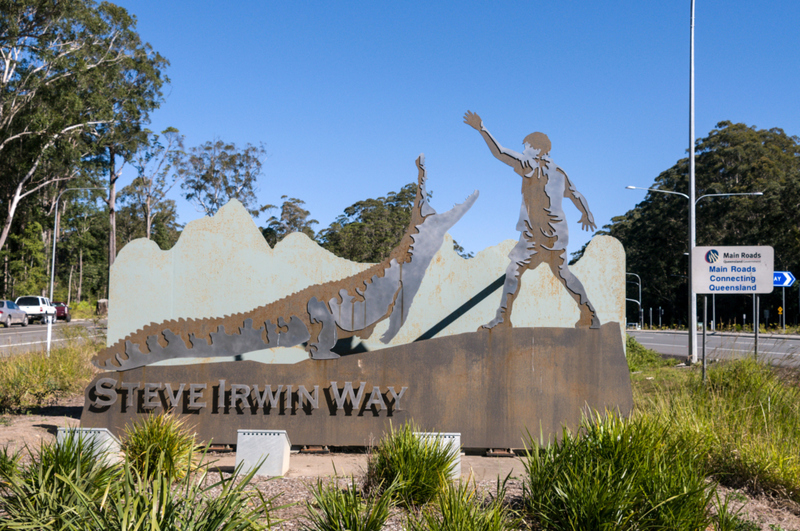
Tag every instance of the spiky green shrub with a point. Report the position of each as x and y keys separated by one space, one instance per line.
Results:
x=155 y=500
x=163 y=436
x=459 y=507
x=334 y=508
x=53 y=491
x=616 y=474
x=9 y=465
x=420 y=466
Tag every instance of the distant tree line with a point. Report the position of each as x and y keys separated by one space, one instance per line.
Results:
x=733 y=158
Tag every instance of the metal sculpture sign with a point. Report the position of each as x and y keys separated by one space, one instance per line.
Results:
x=491 y=385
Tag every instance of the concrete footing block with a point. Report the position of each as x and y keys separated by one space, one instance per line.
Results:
x=271 y=446
x=448 y=439
x=100 y=438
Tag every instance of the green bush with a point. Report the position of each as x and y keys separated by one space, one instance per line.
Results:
x=458 y=507
x=83 y=310
x=53 y=491
x=33 y=379
x=161 y=436
x=334 y=509
x=616 y=474
x=9 y=466
x=420 y=466
x=153 y=501
x=640 y=357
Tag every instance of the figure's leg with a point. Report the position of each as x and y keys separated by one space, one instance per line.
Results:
x=561 y=271
x=520 y=257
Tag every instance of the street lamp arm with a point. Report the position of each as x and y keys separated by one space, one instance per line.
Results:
x=657 y=190
x=726 y=195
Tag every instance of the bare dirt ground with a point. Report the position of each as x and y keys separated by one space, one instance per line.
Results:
x=30 y=429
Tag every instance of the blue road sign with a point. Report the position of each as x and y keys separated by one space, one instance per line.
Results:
x=782 y=279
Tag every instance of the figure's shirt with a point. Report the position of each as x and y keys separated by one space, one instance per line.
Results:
x=542 y=215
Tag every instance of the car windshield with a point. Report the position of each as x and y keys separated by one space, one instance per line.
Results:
x=28 y=301
x=59 y=304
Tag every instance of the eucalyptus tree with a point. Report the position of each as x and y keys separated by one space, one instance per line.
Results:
x=75 y=79
x=218 y=171
x=158 y=164
x=293 y=218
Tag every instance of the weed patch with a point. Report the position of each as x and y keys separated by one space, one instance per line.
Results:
x=32 y=379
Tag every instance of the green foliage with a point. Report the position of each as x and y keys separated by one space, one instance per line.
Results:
x=458 y=507
x=294 y=218
x=420 y=466
x=9 y=466
x=744 y=425
x=369 y=230
x=79 y=81
x=616 y=474
x=155 y=437
x=33 y=379
x=154 y=501
x=640 y=357
x=69 y=486
x=334 y=509
x=27 y=266
x=52 y=490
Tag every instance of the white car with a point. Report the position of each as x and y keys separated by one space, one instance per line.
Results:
x=37 y=308
x=11 y=314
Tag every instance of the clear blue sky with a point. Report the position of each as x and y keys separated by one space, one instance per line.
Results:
x=345 y=95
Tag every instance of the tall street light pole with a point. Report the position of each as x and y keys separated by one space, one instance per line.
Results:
x=692 y=354
x=53 y=261
x=692 y=357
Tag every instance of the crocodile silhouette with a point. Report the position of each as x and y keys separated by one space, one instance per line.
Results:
x=317 y=316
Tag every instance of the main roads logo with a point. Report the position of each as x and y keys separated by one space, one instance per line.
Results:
x=712 y=256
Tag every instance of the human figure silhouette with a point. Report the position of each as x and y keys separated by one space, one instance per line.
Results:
x=544 y=233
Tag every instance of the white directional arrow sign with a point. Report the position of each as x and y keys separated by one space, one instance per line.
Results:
x=782 y=279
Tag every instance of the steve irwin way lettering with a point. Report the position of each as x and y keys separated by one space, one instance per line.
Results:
x=224 y=397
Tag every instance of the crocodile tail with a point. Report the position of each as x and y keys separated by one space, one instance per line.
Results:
x=427 y=236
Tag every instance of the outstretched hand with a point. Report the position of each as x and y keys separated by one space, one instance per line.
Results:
x=472 y=119
x=587 y=224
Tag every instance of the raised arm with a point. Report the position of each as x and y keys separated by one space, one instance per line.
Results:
x=509 y=156
x=572 y=193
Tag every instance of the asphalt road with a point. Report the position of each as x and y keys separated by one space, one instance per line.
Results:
x=781 y=350
x=16 y=340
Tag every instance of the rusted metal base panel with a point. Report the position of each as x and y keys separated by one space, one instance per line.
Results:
x=490 y=386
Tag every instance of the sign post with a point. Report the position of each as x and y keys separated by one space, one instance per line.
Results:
x=783 y=279
x=734 y=270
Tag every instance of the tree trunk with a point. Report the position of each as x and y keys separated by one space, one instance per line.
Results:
x=112 y=213
x=80 y=274
x=148 y=216
x=69 y=284
x=12 y=208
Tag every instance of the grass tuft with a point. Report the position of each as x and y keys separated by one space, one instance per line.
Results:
x=419 y=466
x=334 y=509
x=164 y=437
x=616 y=474
x=459 y=507
x=640 y=357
